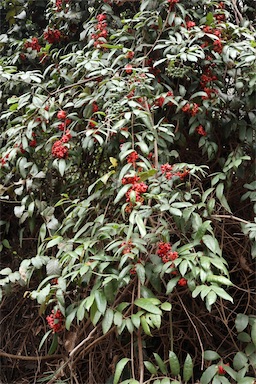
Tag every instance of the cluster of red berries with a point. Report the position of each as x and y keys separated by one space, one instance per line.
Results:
x=127 y=248
x=101 y=31
x=172 y=3
x=52 y=36
x=93 y=122
x=59 y=4
x=133 y=195
x=217 y=44
x=190 y=24
x=169 y=173
x=160 y=100
x=62 y=126
x=4 y=159
x=137 y=189
x=206 y=79
x=55 y=321
x=132 y=157
x=128 y=245
x=62 y=115
x=192 y=109
x=130 y=180
x=33 y=142
x=201 y=131
x=59 y=150
x=133 y=270
x=165 y=252
x=33 y=44
x=128 y=68
x=220 y=16
x=182 y=282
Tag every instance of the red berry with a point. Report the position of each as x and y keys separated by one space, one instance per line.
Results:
x=128 y=68
x=221 y=370
x=61 y=115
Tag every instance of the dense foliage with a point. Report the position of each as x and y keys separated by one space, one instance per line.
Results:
x=128 y=188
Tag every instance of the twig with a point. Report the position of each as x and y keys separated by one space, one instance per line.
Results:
x=97 y=341
x=238 y=15
x=230 y=217
x=81 y=82
x=197 y=333
x=140 y=348
x=31 y=358
x=82 y=342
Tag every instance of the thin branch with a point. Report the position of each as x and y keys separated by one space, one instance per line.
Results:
x=31 y=358
x=197 y=333
x=81 y=82
x=140 y=347
x=230 y=217
x=82 y=342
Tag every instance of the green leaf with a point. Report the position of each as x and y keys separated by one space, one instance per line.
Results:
x=160 y=363
x=174 y=363
x=183 y=267
x=146 y=175
x=171 y=285
x=188 y=368
x=240 y=360
x=208 y=374
x=219 y=279
x=211 y=355
x=156 y=320
x=145 y=326
x=241 y=322
x=100 y=301
x=136 y=319
x=253 y=333
x=175 y=211
x=70 y=318
x=210 y=243
x=107 y=320
x=54 y=344
x=41 y=297
x=222 y=293
x=121 y=193
x=245 y=337
x=140 y=270
x=55 y=240
x=81 y=311
x=118 y=319
x=119 y=369
x=148 y=306
x=197 y=290
x=220 y=195
x=146 y=292
x=232 y=373
x=140 y=225
x=95 y=315
x=62 y=166
x=166 y=306
x=5 y=271
x=6 y=244
x=246 y=380
x=167 y=381
x=44 y=338
x=150 y=367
